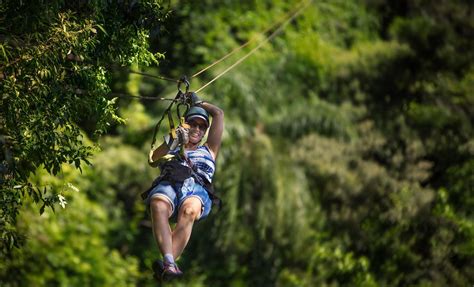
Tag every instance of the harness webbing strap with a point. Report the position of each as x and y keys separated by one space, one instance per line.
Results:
x=171 y=123
x=170 y=119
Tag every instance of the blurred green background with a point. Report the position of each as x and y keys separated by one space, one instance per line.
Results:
x=347 y=157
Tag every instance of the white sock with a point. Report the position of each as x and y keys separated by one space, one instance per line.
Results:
x=168 y=258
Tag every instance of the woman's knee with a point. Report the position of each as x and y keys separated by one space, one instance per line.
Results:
x=160 y=205
x=190 y=209
x=189 y=212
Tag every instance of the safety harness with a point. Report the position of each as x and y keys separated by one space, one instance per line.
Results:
x=175 y=172
x=171 y=166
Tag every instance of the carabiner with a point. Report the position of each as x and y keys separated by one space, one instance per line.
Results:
x=185 y=81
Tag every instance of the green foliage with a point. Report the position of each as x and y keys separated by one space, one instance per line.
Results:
x=347 y=151
x=67 y=249
x=117 y=178
x=357 y=125
x=315 y=116
x=55 y=80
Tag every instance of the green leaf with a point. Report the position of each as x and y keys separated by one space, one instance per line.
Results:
x=4 y=52
x=102 y=29
x=41 y=211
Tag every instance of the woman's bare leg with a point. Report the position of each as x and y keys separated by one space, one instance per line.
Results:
x=189 y=212
x=160 y=212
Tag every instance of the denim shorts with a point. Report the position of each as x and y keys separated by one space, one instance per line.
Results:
x=176 y=194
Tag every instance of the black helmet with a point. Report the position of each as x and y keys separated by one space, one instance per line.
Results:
x=197 y=112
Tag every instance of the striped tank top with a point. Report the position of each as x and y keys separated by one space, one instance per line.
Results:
x=203 y=164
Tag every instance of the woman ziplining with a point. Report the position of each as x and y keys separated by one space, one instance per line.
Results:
x=183 y=192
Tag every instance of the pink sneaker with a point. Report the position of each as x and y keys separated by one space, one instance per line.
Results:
x=170 y=271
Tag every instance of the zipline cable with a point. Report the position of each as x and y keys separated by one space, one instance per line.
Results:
x=124 y=95
x=251 y=40
x=280 y=25
x=276 y=32
x=154 y=76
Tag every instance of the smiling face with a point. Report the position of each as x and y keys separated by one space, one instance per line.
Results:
x=197 y=130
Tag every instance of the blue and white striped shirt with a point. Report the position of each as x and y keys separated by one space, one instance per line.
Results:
x=203 y=163
x=202 y=159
